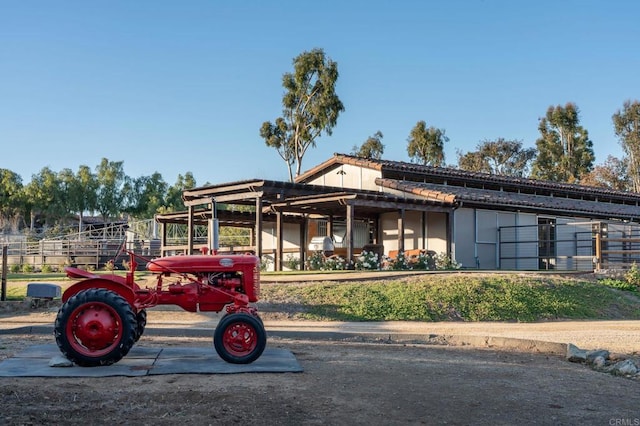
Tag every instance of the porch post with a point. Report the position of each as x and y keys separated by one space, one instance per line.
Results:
x=190 y=230
x=258 y=230
x=163 y=239
x=279 y=240
x=450 y=244
x=349 y=235
x=401 y=230
x=303 y=242
x=330 y=227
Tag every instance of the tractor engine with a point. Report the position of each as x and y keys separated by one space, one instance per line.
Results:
x=229 y=280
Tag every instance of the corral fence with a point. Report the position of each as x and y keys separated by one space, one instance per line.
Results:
x=91 y=249
x=95 y=247
x=570 y=246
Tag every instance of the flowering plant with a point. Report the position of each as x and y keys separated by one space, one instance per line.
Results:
x=401 y=262
x=368 y=260
x=334 y=263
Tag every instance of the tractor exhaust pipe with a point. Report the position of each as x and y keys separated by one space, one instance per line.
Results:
x=215 y=228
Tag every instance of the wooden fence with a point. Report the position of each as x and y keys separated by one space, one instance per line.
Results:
x=89 y=254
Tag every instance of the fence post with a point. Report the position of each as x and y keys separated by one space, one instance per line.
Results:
x=598 y=251
x=5 y=268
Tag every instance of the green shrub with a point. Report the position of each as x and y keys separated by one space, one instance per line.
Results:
x=315 y=261
x=632 y=276
x=400 y=263
x=109 y=266
x=444 y=262
x=15 y=268
x=368 y=261
x=630 y=281
x=265 y=262
x=334 y=263
x=292 y=262
x=424 y=261
x=619 y=284
x=27 y=268
x=46 y=269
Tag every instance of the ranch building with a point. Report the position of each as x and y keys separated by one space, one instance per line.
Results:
x=347 y=205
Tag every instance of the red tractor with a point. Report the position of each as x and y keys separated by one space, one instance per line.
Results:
x=104 y=315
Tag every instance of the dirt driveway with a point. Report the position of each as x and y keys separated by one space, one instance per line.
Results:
x=343 y=384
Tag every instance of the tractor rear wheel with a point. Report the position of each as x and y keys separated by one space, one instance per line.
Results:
x=95 y=327
x=141 y=320
x=240 y=338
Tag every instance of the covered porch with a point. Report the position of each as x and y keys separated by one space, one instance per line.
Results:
x=285 y=213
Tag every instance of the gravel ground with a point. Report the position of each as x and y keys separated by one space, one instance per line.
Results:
x=342 y=384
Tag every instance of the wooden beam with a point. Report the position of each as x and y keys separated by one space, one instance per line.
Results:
x=224 y=198
x=213 y=191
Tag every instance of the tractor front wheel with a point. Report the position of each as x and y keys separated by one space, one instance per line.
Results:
x=240 y=338
x=95 y=327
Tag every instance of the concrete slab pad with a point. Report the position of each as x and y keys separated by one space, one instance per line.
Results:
x=142 y=361
x=207 y=361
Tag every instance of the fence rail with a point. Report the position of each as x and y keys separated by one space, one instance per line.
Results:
x=92 y=254
x=570 y=246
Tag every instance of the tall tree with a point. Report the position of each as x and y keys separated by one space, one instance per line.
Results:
x=145 y=195
x=173 y=202
x=627 y=127
x=565 y=152
x=426 y=145
x=11 y=200
x=310 y=107
x=498 y=157
x=372 y=148
x=81 y=191
x=611 y=174
x=45 y=198
x=111 y=180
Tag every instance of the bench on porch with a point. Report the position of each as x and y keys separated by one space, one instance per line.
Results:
x=412 y=255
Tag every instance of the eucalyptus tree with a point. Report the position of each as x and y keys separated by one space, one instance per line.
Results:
x=627 y=127
x=612 y=174
x=145 y=195
x=310 y=107
x=45 y=199
x=565 y=152
x=110 y=194
x=426 y=145
x=81 y=191
x=11 y=200
x=498 y=157
x=173 y=200
x=372 y=148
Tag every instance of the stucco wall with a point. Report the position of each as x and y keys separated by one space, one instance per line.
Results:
x=349 y=176
x=429 y=234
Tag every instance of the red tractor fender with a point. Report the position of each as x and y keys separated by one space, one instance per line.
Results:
x=114 y=283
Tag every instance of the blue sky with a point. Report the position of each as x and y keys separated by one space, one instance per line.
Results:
x=178 y=86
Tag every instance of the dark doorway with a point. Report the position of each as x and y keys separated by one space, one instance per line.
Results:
x=546 y=243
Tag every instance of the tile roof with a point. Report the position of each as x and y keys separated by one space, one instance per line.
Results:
x=400 y=170
x=490 y=198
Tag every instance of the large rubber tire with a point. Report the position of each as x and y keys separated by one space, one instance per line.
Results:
x=240 y=338
x=141 y=320
x=95 y=327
